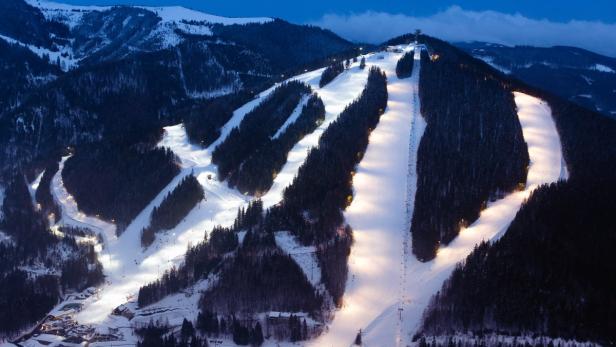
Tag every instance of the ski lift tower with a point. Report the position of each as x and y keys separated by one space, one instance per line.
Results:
x=417 y=33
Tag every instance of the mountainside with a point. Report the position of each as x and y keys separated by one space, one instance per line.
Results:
x=133 y=69
x=585 y=78
x=174 y=178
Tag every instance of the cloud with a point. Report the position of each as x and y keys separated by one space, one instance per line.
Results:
x=457 y=24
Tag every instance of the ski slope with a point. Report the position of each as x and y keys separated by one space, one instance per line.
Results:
x=71 y=216
x=336 y=95
x=378 y=212
x=128 y=267
x=425 y=279
x=304 y=256
x=387 y=288
x=292 y=117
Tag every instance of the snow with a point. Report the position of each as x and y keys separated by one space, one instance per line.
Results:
x=292 y=117
x=127 y=268
x=490 y=61
x=68 y=14
x=173 y=18
x=71 y=216
x=383 y=276
x=336 y=95
x=33 y=187
x=53 y=10
x=602 y=68
x=192 y=22
x=173 y=308
x=378 y=213
x=66 y=63
x=387 y=291
x=131 y=268
x=178 y=13
x=304 y=256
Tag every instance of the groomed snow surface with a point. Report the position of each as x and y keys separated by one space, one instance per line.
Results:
x=379 y=314
x=378 y=213
x=127 y=266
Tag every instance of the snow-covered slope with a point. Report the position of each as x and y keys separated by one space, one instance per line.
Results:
x=63 y=56
x=72 y=14
x=388 y=289
x=335 y=95
x=127 y=266
x=172 y=21
x=378 y=212
x=175 y=14
x=425 y=279
x=71 y=216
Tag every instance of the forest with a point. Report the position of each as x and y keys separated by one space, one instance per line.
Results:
x=261 y=280
x=199 y=261
x=203 y=120
x=472 y=150
x=322 y=186
x=24 y=296
x=549 y=273
x=174 y=207
x=43 y=194
x=257 y=173
x=404 y=67
x=117 y=182
x=256 y=128
x=330 y=73
x=154 y=335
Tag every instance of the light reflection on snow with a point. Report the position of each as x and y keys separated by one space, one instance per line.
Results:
x=373 y=295
x=127 y=268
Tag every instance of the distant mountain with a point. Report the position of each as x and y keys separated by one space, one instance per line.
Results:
x=144 y=61
x=581 y=76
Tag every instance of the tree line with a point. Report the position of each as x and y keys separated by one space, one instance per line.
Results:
x=117 y=182
x=472 y=150
x=257 y=173
x=256 y=128
x=27 y=297
x=330 y=73
x=548 y=274
x=404 y=66
x=174 y=207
